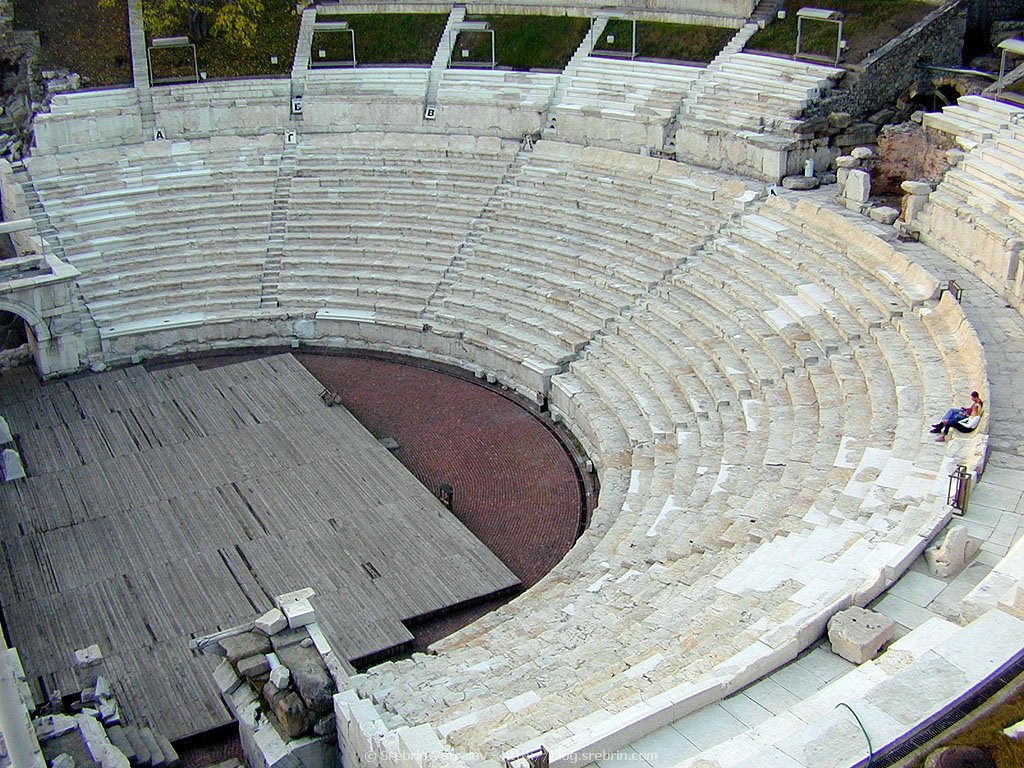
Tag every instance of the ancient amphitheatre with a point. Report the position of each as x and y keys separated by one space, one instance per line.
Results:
x=749 y=369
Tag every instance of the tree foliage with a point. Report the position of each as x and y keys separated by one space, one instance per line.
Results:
x=234 y=20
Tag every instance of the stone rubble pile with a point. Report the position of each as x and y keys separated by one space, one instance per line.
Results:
x=90 y=732
x=280 y=662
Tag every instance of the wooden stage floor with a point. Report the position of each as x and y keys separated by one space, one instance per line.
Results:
x=166 y=505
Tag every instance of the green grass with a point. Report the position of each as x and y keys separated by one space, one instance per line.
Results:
x=384 y=38
x=276 y=34
x=80 y=36
x=659 y=40
x=868 y=25
x=524 y=42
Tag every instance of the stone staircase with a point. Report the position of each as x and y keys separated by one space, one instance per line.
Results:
x=443 y=53
x=582 y=52
x=487 y=213
x=303 y=46
x=734 y=45
x=140 y=67
x=764 y=11
x=278 y=223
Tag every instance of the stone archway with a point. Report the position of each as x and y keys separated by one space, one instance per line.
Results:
x=40 y=330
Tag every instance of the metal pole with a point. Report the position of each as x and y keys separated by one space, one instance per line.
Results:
x=799 y=32
x=1002 y=71
x=632 y=52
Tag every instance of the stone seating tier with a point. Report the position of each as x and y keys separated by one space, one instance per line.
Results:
x=527 y=89
x=626 y=89
x=368 y=82
x=759 y=94
x=634 y=369
x=735 y=514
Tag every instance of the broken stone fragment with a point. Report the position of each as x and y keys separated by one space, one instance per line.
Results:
x=254 y=666
x=916 y=187
x=801 y=182
x=884 y=214
x=88 y=657
x=271 y=622
x=291 y=713
x=280 y=676
x=244 y=645
x=309 y=676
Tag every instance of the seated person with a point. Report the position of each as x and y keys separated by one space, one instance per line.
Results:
x=964 y=419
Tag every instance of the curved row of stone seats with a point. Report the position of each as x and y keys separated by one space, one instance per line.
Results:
x=976 y=214
x=224 y=108
x=373 y=225
x=496 y=87
x=111 y=118
x=924 y=672
x=164 y=230
x=619 y=103
x=715 y=562
x=757 y=93
x=887 y=293
x=547 y=286
x=367 y=82
x=973 y=119
x=623 y=89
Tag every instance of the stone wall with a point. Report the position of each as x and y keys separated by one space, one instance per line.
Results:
x=908 y=153
x=892 y=69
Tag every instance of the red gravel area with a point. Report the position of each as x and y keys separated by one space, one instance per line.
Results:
x=514 y=485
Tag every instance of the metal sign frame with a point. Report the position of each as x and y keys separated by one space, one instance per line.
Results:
x=474 y=26
x=166 y=43
x=819 y=14
x=333 y=26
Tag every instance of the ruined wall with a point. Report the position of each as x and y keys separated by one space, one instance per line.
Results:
x=884 y=75
x=907 y=152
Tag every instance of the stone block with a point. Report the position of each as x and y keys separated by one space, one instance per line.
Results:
x=912 y=206
x=226 y=678
x=299 y=613
x=848 y=162
x=88 y=657
x=956 y=550
x=858 y=634
x=110 y=713
x=291 y=597
x=858 y=187
x=882 y=116
x=5 y=432
x=309 y=676
x=840 y=120
x=857 y=135
x=63 y=760
x=884 y=214
x=244 y=645
x=917 y=187
x=271 y=622
x=280 y=676
x=254 y=666
x=862 y=153
x=801 y=182
x=10 y=462
x=291 y=713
